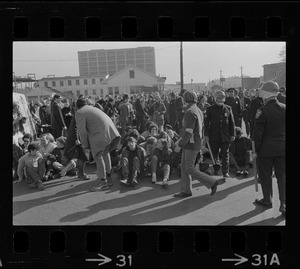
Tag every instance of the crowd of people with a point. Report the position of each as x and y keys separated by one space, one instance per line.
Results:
x=154 y=135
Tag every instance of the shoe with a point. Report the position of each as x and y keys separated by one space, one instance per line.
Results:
x=40 y=185
x=226 y=175
x=238 y=173
x=102 y=186
x=218 y=182
x=32 y=185
x=263 y=203
x=110 y=181
x=134 y=181
x=245 y=173
x=182 y=195
x=124 y=181
x=154 y=180
x=165 y=181
x=282 y=208
x=85 y=177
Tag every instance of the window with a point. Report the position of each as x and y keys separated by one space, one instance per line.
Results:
x=53 y=83
x=78 y=93
x=93 y=81
x=77 y=81
x=86 y=92
x=116 y=89
x=85 y=81
x=94 y=92
x=70 y=82
x=110 y=91
x=46 y=83
x=131 y=73
x=101 y=92
x=61 y=83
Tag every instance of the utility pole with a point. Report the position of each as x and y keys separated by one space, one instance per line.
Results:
x=191 y=84
x=181 y=66
x=242 y=77
x=221 y=77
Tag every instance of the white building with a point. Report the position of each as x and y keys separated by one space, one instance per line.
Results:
x=132 y=80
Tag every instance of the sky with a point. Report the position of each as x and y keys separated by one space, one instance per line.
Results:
x=202 y=61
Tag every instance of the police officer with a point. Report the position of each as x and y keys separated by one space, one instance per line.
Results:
x=190 y=142
x=234 y=102
x=219 y=130
x=269 y=138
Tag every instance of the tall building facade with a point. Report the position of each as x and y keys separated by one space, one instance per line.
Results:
x=103 y=62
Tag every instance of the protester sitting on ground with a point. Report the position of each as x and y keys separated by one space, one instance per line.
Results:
x=169 y=129
x=152 y=131
x=240 y=152
x=33 y=164
x=149 y=147
x=46 y=147
x=164 y=135
x=146 y=132
x=161 y=160
x=27 y=139
x=132 y=161
x=58 y=164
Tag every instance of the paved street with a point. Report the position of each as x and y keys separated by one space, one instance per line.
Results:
x=68 y=201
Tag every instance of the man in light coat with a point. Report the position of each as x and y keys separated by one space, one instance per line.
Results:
x=98 y=133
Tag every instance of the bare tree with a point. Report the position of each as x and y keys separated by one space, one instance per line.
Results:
x=282 y=54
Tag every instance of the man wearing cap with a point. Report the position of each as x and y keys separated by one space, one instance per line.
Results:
x=190 y=142
x=98 y=133
x=57 y=119
x=269 y=138
x=219 y=130
x=234 y=102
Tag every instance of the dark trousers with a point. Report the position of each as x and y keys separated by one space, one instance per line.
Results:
x=56 y=133
x=224 y=146
x=266 y=166
x=140 y=124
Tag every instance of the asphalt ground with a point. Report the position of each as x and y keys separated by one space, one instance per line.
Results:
x=69 y=201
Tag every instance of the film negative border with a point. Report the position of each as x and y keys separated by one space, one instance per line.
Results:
x=154 y=246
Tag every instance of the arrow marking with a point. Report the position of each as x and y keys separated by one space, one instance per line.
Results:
x=240 y=260
x=103 y=259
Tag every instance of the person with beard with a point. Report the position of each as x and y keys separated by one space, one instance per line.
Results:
x=190 y=142
x=234 y=102
x=45 y=116
x=159 y=110
x=133 y=161
x=269 y=138
x=219 y=130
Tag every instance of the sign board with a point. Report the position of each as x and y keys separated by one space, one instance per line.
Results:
x=20 y=99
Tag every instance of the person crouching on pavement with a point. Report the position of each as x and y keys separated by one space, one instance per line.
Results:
x=34 y=166
x=58 y=164
x=240 y=152
x=161 y=160
x=149 y=146
x=133 y=162
x=190 y=142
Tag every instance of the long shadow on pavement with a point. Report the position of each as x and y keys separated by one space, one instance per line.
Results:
x=136 y=216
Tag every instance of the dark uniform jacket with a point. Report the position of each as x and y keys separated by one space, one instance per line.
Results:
x=234 y=102
x=192 y=128
x=255 y=104
x=219 y=123
x=57 y=120
x=269 y=129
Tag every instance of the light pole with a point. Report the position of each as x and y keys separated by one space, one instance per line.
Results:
x=191 y=84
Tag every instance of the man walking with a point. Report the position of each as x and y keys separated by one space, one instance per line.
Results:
x=190 y=142
x=269 y=138
x=98 y=133
x=219 y=130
